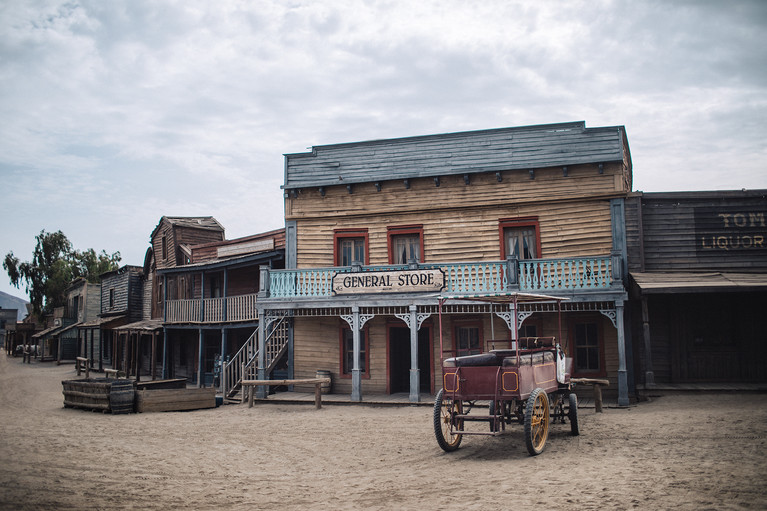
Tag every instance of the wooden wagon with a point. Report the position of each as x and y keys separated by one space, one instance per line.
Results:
x=527 y=381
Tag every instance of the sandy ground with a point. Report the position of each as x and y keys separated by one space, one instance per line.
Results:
x=699 y=451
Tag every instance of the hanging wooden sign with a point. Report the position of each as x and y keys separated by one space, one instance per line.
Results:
x=373 y=282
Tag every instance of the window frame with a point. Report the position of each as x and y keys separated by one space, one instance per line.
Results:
x=468 y=323
x=404 y=230
x=587 y=319
x=342 y=234
x=365 y=374
x=519 y=223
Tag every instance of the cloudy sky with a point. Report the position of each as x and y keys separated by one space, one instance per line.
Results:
x=114 y=113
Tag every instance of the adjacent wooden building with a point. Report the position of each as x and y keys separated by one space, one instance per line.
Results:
x=536 y=208
x=698 y=265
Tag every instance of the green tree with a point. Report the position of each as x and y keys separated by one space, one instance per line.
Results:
x=55 y=263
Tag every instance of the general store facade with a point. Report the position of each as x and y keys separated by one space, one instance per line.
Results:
x=377 y=232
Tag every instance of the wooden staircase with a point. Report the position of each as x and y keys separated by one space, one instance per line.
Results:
x=244 y=364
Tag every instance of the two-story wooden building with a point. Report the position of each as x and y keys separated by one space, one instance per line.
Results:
x=377 y=232
x=698 y=264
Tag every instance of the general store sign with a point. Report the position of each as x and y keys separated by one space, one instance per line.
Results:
x=405 y=281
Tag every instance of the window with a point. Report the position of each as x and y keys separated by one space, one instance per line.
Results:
x=587 y=349
x=468 y=339
x=528 y=330
x=405 y=244
x=347 y=352
x=520 y=238
x=112 y=298
x=351 y=245
x=214 y=285
x=164 y=247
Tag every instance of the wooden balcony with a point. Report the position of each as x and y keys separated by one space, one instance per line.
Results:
x=230 y=309
x=531 y=275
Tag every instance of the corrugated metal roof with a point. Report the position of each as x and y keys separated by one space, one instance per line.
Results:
x=471 y=152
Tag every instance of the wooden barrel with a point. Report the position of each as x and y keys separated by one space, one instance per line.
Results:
x=325 y=387
x=121 y=395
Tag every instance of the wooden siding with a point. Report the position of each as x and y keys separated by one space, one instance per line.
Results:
x=456 y=154
x=209 y=251
x=317 y=346
x=176 y=236
x=671 y=243
x=567 y=229
x=123 y=282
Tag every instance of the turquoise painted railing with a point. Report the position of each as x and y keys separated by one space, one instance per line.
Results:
x=473 y=277
x=565 y=274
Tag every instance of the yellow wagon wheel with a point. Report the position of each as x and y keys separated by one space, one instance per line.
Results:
x=445 y=423
x=537 y=421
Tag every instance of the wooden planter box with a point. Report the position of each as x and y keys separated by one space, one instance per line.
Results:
x=171 y=400
x=106 y=395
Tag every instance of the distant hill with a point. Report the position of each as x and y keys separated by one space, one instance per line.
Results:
x=11 y=302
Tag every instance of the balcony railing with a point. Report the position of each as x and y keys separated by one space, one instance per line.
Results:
x=550 y=275
x=212 y=310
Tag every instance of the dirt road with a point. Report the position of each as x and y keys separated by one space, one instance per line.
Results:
x=699 y=451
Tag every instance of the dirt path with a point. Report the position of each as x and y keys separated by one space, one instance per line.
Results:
x=700 y=451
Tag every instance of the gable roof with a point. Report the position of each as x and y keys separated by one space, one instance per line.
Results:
x=193 y=222
x=470 y=152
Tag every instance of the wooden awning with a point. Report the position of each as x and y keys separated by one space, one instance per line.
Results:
x=504 y=297
x=711 y=282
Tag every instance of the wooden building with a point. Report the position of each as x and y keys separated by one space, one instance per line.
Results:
x=209 y=311
x=536 y=208
x=698 y=265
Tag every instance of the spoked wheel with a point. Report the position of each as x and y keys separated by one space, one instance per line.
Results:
x=536 y=421
x=444 y=422
x=572 y=414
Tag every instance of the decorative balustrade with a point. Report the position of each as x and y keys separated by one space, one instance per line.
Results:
x=212 y=310
x=581 y=273
x=551 y=275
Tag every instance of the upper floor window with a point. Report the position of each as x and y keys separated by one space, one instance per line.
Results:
x=351 y=246
x=405 y=244
x=164 y=247
x=111 y=298
x=520 y=238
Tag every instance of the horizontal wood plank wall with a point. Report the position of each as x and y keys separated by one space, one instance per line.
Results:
x=567 y=229
x=633 y=208
x=670 y=238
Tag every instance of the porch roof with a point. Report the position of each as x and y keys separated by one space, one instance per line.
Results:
x=703 y=282
x=148 y=325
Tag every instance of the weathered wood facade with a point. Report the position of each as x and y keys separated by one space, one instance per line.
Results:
x=698 y=263
x=536 y=208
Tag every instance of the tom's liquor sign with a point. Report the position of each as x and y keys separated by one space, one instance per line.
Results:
x=405 y=281
x=717 y=229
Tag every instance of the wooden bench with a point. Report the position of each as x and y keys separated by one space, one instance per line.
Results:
x=249 y=388
x=597 y=384
x=112 y=373
x=81 y=362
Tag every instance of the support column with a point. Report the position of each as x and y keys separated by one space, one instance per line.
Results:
x=649 y=375
x=164 y=354
x=262 y=390
x=623 y=388
x=415 y=373
x=222 y=359
x=153 y=356
x=356 y=371
x=199 y=358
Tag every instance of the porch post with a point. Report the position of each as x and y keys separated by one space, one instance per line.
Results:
x=649 y=375
x=623 y=388
x=262 y=390
x=164 y=353
x=199 y=359
x=222 y=358
x=415 y=374
x=153 y=356
x=356 y=371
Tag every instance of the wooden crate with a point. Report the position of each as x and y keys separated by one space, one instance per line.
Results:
x=170 y=400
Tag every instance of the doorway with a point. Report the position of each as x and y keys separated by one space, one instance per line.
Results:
x=399 y=359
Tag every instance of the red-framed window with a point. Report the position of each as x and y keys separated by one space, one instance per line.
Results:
x=347 y=352
x=350 y=245
x=587 y=346
x=467 y=338
x=405 y=244
x=520 y=237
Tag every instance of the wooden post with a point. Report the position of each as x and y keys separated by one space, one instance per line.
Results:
x=252 y=392
x=317 y=396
